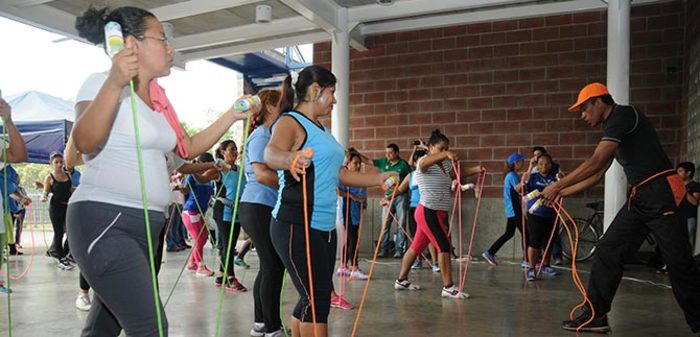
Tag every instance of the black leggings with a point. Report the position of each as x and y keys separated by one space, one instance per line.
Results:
x=84 y=283
x=511 y=224
x=224 y=232
x=57 y=214
x=290 y=244
x=539 y=229
x=351 y=244
x=110 y=246
x=255 y=219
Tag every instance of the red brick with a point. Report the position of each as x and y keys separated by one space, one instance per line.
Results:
x=454 y=30
x=493 y=115
x=362 y=87
x=450 y=129
x=549 y=33
x=530 y=100
x=598 y=28
x=385 y=109
x=480 y=52
x=505 y=76
x=531 y=23
x=481 y=128
x=444 y=117
x=480 y=103
x=419 y=94
x=533 y=48
x=446 y=43
x=468 y=116
x=484 y=77
x=584 y=151
x=505 y=102
x=492 y=38
x=479 y=28
x=356 y=99
x=377 y=97
x=558 y=20
x=479 y=154
x=545 y=139
x=363 y=134
x=545 y=113
x=467 y=41
x=559 y=46
x=531 y=74
x=387 y=132
x=493 y=89
x=375 y=121
x=385 y=85
x=566 y=32
x=588 y=43
x=587 y=17
x=519 y=36
x=429 y=106
x=357 y=122
x=521 y=88
x=664 y=21
x=506 y=50
x=560 y=99
x=514 y=139
x=519 y=114
x=456 y=104
x=407 y=83
x=418 y=119
x=531 y=126
x=560 y=72
x=493 y=140
x=505 y=25
x=396 y=96
x=362 y=110
x=466 y=141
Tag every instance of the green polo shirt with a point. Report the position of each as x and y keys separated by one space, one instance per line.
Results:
x=401 y=167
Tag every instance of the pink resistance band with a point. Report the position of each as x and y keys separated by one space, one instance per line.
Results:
x=162 y=104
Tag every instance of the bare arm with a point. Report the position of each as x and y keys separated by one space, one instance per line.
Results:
x=71 y=156
x=693 y=198
x=598 y=162
x=16 y=151
x=265 y=175
x=436 y=158
x=404 y=184
x=206 y=138
x=358 y=179
x=190 y=168
x=584 y=184
x=286 y=136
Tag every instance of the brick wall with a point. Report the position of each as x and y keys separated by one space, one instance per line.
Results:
x=690 y=118
x=499 y=87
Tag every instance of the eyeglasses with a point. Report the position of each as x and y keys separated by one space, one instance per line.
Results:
x=162 y=39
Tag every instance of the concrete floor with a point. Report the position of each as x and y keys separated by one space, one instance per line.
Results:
x=501 y=304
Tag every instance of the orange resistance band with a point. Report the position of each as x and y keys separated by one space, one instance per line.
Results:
x=308 y=153
x=371 y=267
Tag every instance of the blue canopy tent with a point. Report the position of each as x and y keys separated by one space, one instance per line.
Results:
x=44 y=121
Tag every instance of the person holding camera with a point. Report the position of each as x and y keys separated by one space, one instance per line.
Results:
x=399 y=207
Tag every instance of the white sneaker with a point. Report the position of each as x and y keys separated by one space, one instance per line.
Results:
x=436 y=268
x=358 y=275
x=83 y=302
x=405 y=285
x=453 y=292
x=257 y=330
x=342 y=271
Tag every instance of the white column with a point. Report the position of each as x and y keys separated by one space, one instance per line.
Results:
x=340 y=58
x=618 y=85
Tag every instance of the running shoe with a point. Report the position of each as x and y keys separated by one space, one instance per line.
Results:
x=3 y=289
x=524 y=265
x=257 y=330
x=358 y=275
x=340 y=303
x=453 y=292
x=83 y=302
x=342 y=271
x=64 y=264
x=417 y=265
x=598 y=324
x=531 y=274
x=490 y=258
x=278 y=333
x=240 y=263
x=405 y=285
x=204 y=271
x=436 y=268
x=234 y=286
x=549 y=271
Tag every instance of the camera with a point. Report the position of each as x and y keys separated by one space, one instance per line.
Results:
x=417 y=142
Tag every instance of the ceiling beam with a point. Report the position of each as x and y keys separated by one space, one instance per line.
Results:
x=27 y=3
x=321 y=12
x=311 y=37
x=242 y=33
x=515 y=12
x=400 y=9
x=43 y=17
x=195 y=7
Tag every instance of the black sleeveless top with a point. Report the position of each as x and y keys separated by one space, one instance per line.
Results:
x=61 y=190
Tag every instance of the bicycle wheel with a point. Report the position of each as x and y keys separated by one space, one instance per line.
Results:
x=587 y=239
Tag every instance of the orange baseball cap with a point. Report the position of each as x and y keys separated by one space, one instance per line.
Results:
x=591 y=90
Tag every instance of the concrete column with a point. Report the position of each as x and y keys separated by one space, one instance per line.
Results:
x=340 y=58
x=618 y=85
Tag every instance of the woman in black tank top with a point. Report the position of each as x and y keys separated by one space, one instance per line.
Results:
x=59 y=184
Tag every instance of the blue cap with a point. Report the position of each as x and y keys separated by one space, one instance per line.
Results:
x=514 y=158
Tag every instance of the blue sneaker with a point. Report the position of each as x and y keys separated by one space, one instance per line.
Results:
x=531 y=274
x=436 y=268
x=490 y=258
x=524 y=264
x=417 y=265
x=549 y=271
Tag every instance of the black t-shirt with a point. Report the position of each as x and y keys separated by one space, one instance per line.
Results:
x=640 y=152
x=688 y=209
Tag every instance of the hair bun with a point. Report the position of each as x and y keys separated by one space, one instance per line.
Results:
x=436 y=132
x=90 y=25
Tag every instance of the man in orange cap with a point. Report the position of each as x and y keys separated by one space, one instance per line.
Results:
x=657 y=190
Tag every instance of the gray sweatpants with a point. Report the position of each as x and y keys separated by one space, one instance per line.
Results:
x=109 y=244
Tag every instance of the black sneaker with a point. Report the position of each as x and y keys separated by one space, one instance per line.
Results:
x=598 y=324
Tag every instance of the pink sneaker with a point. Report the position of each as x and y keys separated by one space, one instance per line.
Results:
x=204 y=271
x=192 y=266
x=342 y=271
x=235 y=286
x=340 y=303
x=358 y=275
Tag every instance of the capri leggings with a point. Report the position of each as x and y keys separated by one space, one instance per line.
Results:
x=431 y=229
x=290 y=243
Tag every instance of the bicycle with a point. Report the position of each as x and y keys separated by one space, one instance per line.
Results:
x=590 y=230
